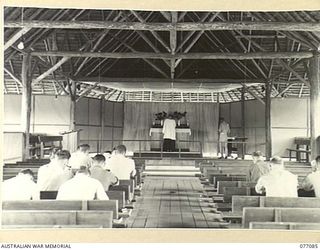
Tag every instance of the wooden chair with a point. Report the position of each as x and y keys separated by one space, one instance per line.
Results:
x=50 y=218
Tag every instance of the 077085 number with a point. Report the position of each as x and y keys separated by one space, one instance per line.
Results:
x=309 y=246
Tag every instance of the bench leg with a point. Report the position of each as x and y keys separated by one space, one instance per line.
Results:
x=290 y=155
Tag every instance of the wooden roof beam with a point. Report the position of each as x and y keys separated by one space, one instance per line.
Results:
x=196 y=38
x=154 y=33
x=252 y=93
x=185 y=56
x=13 y=76
x=185 y=26
x=147 y=40
x=15 y=37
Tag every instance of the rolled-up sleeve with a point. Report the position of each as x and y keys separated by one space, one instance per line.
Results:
x=260 y=185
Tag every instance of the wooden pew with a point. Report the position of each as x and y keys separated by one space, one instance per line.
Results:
x=130 y=183
x=284 y=225
x=227 y=178
x=270 y=214
x=228 y=192
x=96 y=205
x=125 y=188
x=239 y=202
x=52 y=218
x=113 y=195
x=119 y=196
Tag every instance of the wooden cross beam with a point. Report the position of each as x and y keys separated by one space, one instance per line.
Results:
x=16 y=37
x=168 y=56
x=155 y=34
x=14 y=77
x=186 y=26
x=252 y=93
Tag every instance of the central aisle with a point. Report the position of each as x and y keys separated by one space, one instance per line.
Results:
x=172 y=202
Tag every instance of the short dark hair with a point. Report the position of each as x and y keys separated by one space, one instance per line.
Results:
x=317 y=159
x=63 y=154
x=54 y=150
x=99 y=158
x=257 y=153
x=121 y=149
x=27 y=171
x=84 y=147
x=84 y=170
x=276 y=160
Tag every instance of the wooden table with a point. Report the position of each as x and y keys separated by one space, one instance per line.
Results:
x=238 y=141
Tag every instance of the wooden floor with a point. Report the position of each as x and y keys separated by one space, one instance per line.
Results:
x=172 y=202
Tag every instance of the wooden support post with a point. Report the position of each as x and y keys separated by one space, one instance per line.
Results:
x=102 y=114
x=268 y=87
x=26 y=103
x=73 y=91
x=243 y=123
x=315 y=105
x=173 y=43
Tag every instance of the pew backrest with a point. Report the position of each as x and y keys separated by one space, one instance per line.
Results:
x=228 y=192
x=125 y=188
x=53 y=218
x=222 y=184
x=270 y=214
x=239 y=202
x=92 y=205
x=284 y=225
x=119 y=196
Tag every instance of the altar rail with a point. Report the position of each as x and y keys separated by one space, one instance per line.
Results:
x=99 y=145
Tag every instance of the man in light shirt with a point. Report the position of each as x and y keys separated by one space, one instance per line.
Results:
x=106 y=177
x=21 y=187
x=121 y=166
x=80 y=158
x=278 y=182
x=54 y=174
x=312 y=181
x=258 y=167
x=82 y=187
x=169 y=134
x=224 y=131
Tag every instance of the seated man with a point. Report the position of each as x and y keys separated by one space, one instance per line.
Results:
x=278 y=182
x=98 y=172
x=21 y=187
x=258 y=168
x=121 y=166
x=80 y=157
x=52 y=175
x=312 y=181
x=82 y=187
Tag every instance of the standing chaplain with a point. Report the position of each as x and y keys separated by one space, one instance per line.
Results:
x=169 y=134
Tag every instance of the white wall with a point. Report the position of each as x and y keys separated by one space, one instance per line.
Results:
x=50 y=114
x=289 y=119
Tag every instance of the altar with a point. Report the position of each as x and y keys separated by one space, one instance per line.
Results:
x=182 y=135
